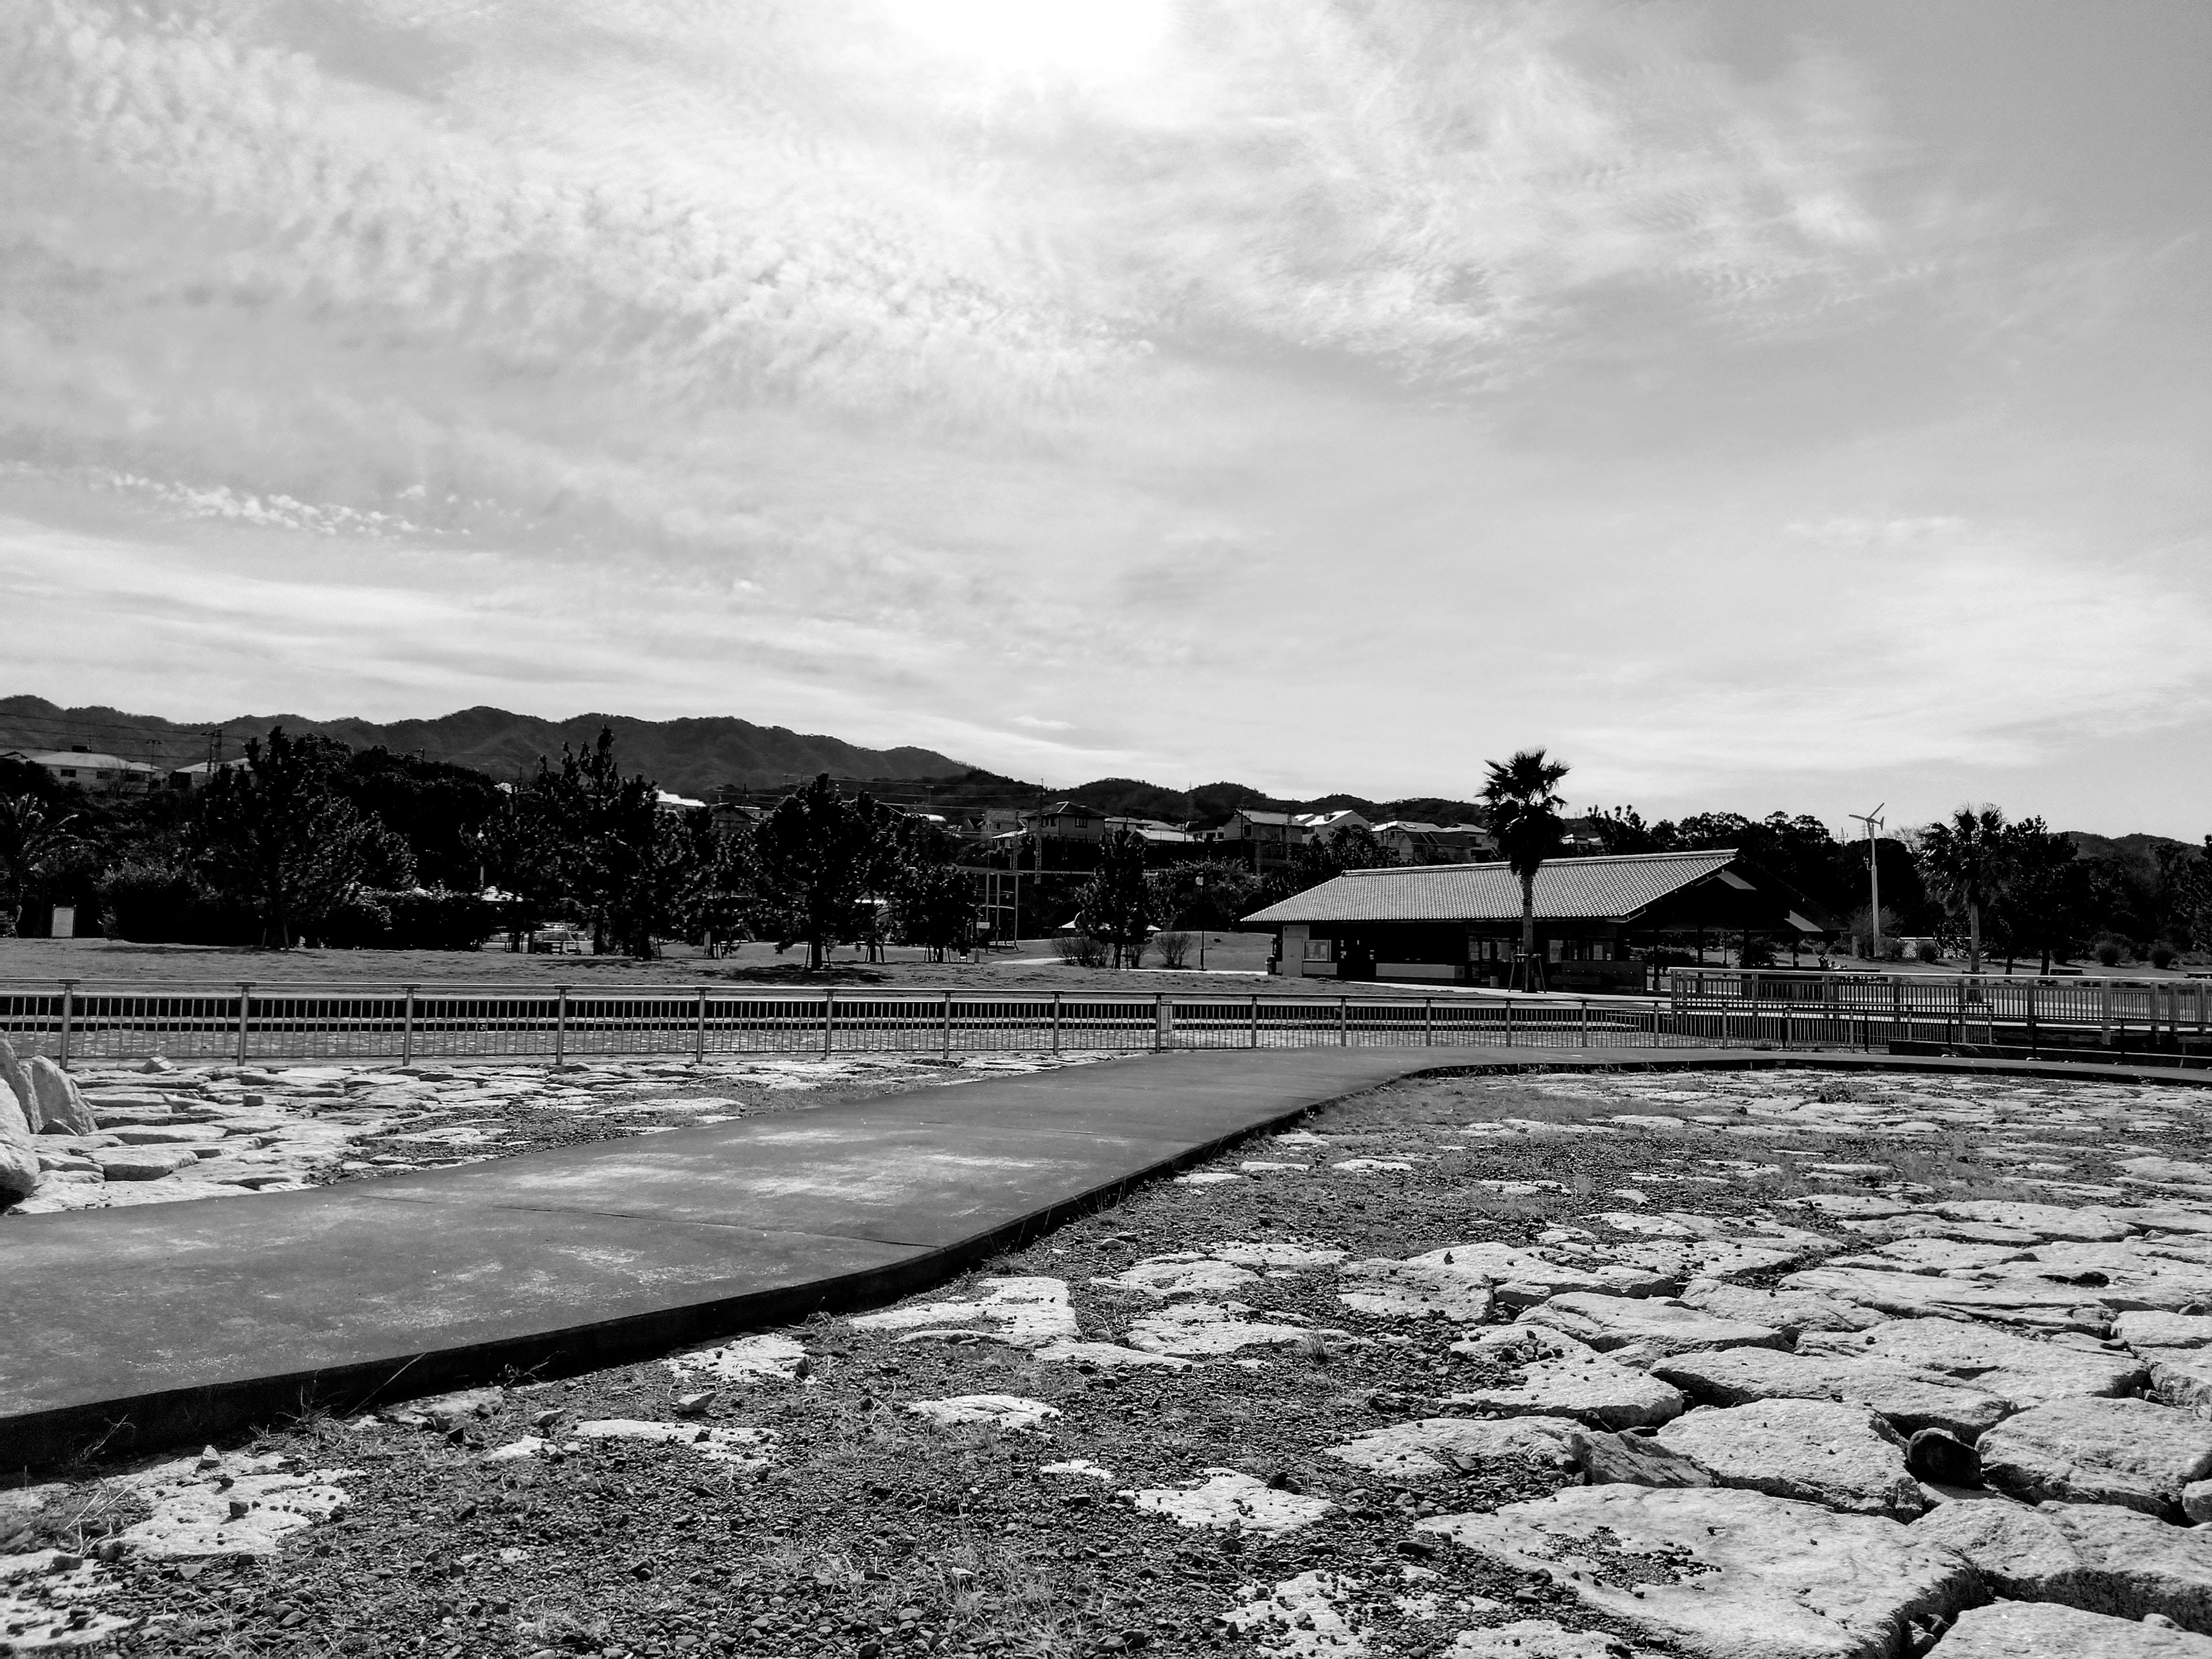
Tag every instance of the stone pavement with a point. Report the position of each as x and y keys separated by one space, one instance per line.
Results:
x=136 y=1328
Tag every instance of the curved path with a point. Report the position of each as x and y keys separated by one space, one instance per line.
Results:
x=125 y=1330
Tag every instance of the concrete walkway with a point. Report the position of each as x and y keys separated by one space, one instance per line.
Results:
x=127 y=1330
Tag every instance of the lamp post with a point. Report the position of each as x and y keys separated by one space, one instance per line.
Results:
x=1202 y=914
x=1873 y=822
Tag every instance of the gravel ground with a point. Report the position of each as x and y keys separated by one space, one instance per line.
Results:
x=796 y=1501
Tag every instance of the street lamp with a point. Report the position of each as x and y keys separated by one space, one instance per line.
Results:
x=1202 y=914
x=1874 y=872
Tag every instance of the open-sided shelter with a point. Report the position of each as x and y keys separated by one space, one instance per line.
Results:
x=1599 y=921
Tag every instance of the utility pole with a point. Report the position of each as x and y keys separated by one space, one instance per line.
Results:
x=1874 y=821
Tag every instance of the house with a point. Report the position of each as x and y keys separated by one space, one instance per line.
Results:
x=1597 y=919
x=1414 y=842
x=666 y=801
x=1320 y=826
x=1157 y=832
x=1266 y=839
x=1067 y=820
x=196 y=776
x=81 y=766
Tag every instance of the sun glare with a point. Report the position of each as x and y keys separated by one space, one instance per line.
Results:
x=1075 y=39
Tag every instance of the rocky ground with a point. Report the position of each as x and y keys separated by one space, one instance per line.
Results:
x=157 y=1132
x=1728 y=1364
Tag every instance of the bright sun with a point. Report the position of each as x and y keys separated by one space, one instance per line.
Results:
x=1083 y=38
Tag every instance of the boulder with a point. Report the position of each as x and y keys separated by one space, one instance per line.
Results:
x=59 y=1108
x=1440 y=1445
x=1645 y=1327
x=2017 y=1370
x=1908 y=1397
x=1727 y=1573
x=1633 y=1460
x=2042 y=1629
x=19 y=1158
x=2091 y=1556
x=17 y=1081
x=1940 y=1458
x=1817 y=1452
x=2135 y=1453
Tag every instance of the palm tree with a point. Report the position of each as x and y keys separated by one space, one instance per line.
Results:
x=1964 y=864
x=1523 y=799
x=34 y=835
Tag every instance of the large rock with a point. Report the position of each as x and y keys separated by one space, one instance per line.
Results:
x=1790 y=1312
x=1439 y=1445
x=1907 y=1398
x=2041 y=1630
x=2017 y=1370
x=1916 y=1296
x=1726 y=1573
x=2045 y=1220
x=1645 y=1328
x=19 y=1158
x=2135 y=1453
x=1930 y=1255
x=2182 y=1378
x=59 y=1108
x=16 y=1081
x=1817 y=1452
x=2086 y=1555
x=143 y=1163
x=2149 y=1328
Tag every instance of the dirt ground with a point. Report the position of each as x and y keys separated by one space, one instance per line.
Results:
x=793 y=1494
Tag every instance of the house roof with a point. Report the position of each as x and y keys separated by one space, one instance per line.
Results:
x=1251 y=817
x=1592 y=889
x=79 y=757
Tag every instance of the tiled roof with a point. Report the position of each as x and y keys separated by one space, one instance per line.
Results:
x=1589 y=888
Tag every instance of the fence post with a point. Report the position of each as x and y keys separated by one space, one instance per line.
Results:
x=2106 y=1014
x=948 y=1026
x=828 y=1019
x=2030 y=1021
x=1509 y=1021
x=1343 y=1022
x=560 y=1028
x=1428 y=1022
x=244 y=1005
x=1585 y=1022
x=699 y=1031
x=69 y=1017
x=1056 y=996
x=407 y=1030
x=1159 y=1021
x=1255 y=1023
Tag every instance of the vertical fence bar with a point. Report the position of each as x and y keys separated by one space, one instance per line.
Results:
x=948 y=1025
x=828 y=1020
x=68 y=1018
x=1159 y=1022
x=407 y=1030
x=245 y=1007
x=699 y=1031
x=1255 y=1023
x=560 y=1028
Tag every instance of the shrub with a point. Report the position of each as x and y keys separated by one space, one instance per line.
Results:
x=1173 y=948
x=1758 y=952
x=2161 y=955
x=1079 y=950
x=1926 y=951
x=154 y=904
x=2108 y=951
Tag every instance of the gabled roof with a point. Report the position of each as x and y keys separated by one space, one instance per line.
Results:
x=1249 y=816
x=1592 y=889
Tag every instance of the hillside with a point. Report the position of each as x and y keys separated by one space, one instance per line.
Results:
x=690 y=756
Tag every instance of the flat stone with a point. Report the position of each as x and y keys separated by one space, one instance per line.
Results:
x=1021 y=1312
x=2182 y=1378
x=1913 y=1296
x=1591 y=1390
x=237 y=1506
x=1180 y=1275
x=1635 y=1459
x=1857 y=1206
x=1705 y=1258
x=1907 y=1398
x=1226 y=1497
x=1930 y=1255
x=1521 y=1277
x=1195 y=1329
x=739 y=1446
x=2152 y=1328
x=1790 y=1312
x=2017 y=1370
x=1440 y=1445
x=1725 y=1572
x=747 y=1360
x=1533 y=1639
x=1107 y=1357
x=164 y=1134
x=2045 y=1220
x=1003 y=1410
x=143 y=1163
x=1414 y=1290
x=2134 y=1453
x=1647 y=1326
x=1817 y=1452
x=2092 y=1556
x=2042 y=1629
x=1305 y=1617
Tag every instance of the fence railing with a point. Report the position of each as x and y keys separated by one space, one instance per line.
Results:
x=79 y=1022
x=1992 y=1010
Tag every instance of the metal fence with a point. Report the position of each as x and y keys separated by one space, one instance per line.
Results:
x=1985 y=1010
x=84 y=1023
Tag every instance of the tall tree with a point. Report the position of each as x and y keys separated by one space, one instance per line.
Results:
x=1965 y=861
x=36 y=834
x=276 y=836
x=599 y=835
x=2040 y=891
x=1526 y=815
x=1115 y=907
x=816 y=858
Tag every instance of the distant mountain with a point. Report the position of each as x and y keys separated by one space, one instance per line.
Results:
x=690 y=756
x=2136 y=848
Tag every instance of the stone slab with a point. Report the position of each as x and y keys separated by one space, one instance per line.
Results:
x=1840 y=1455
x=2092 y=1556
x=1906 y=1398
x=2135 y=1453
x=2031 y=1630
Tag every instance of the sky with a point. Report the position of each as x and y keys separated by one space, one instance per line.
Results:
x=1761 y=405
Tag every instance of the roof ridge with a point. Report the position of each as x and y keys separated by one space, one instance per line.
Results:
x=1587 y=858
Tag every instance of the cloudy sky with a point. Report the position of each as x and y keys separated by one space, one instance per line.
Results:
x=1762 y=404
